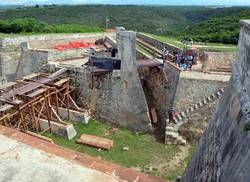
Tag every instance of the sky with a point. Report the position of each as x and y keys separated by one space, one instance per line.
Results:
x=145 y=2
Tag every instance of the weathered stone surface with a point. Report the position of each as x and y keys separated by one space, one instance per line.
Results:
x=194 y=86
x=156 y=88
x=218 y=59
x=223 y=151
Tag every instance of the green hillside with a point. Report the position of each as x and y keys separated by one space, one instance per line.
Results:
x=164 y=20
x=196 y=22
x=218 y=29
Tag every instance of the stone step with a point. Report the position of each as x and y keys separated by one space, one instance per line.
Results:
x=179 y=117
x=176 y=120
x=210 y=98
x=191 y=109
x=205 y=101
x=169 y=129
x=172 y=134
x=214 y=96
x=218 y=94
x=183 y=114
x=200 y=104
x=196 y=106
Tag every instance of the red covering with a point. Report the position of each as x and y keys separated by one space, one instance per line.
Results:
x=72 y=45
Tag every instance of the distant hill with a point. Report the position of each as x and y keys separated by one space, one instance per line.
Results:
x=217 y=29
x=166 y=20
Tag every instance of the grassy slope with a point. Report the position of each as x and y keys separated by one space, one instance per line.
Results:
x=143 y=149
x=210 y=46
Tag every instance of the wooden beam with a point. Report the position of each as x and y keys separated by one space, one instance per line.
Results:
x=95 y=141
x=28 y=77
x=7 y=85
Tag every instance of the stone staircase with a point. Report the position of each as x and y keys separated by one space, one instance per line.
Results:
x=171 y=132
x=173 y=138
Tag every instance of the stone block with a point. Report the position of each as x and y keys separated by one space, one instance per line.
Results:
x=82 y=117
x=67 y=131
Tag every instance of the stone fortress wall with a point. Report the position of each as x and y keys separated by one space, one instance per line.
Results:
x=223 y=151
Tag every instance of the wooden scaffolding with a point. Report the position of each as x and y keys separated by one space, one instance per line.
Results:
x=34 y=97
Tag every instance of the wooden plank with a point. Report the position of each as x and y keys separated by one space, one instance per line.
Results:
x=40 y=136
x=7 y=85
x=28 y=77
x=107 y=45
x=95 y=141
x=37 y=92
x=61 y=82
x=154 y=115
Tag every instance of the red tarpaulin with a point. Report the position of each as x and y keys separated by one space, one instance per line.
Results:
x=72 y=45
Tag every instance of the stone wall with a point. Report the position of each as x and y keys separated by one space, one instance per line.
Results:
x=194 y=86
x=48 y=40
x=9 y=59
x=156 y=90
x=112 y=100
x=156 y=43
x=223 y=151
x=117 y=98
x=218 y=59
x=173 y=75
x=37 y=52
x=30 y=61
x=197 y=122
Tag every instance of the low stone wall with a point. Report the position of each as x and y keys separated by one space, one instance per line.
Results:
x=156 y=43
x=54 y=55
x=47 y=40
x=218 y=59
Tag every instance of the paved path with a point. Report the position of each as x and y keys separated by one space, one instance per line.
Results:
x=20 y=162
x=25 y=158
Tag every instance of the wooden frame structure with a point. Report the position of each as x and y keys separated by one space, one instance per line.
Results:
x=35 y=97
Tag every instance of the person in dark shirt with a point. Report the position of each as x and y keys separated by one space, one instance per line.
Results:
x=171 y=115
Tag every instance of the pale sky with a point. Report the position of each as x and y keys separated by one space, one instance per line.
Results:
x=146 y=2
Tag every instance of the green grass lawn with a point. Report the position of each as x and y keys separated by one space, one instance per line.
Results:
x=143 y=148
x=210 y=46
